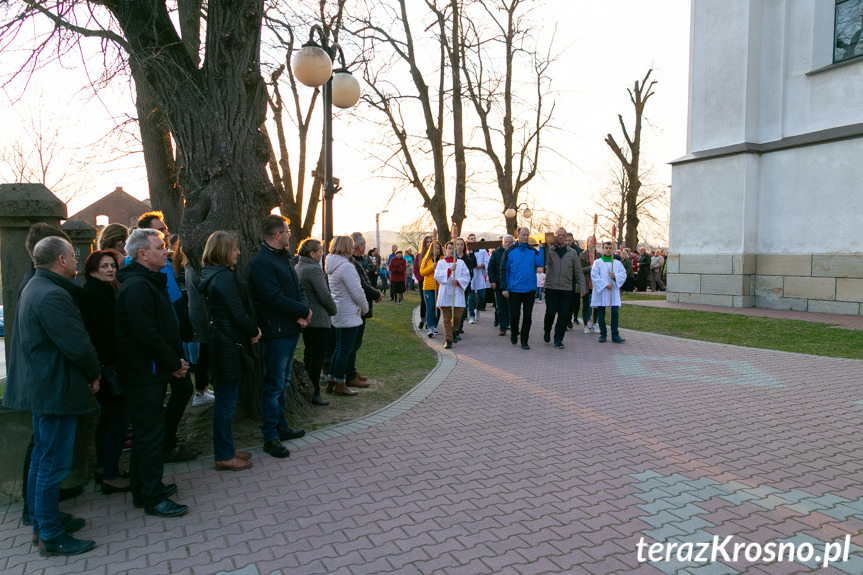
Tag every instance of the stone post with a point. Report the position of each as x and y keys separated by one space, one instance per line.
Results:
x=83 y=236
x=21 y=206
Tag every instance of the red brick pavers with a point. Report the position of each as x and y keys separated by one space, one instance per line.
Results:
x=540 y=461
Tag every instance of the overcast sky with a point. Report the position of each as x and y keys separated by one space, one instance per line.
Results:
x=606 y=45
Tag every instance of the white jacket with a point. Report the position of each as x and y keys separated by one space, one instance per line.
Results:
x=452 y=284
x=351 y=303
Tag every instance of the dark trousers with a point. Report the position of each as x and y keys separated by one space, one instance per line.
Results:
x=516 y=302
x=502 y=309
x=557 y=302
x=345 y=342
x=110 y=435
x=202 y=368
x=144 y=406
x=600 y=313
x=181 y=391
x=574 y=305
x=317 y=345
x=422 y=303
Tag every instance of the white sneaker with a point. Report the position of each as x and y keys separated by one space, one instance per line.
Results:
x=471 y=320
x=476 y=315
x=587 y=329
x=434 y=330
x=202 y=399
x=596 y=328
x=209 y=392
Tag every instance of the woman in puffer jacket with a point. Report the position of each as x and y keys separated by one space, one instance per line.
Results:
x=351 y=305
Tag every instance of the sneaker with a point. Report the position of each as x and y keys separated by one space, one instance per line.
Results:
x=202 y=399
x=210 y=392
x=476 y=315
x=587 y=329
x=471 y=321
x=558 y=345
x=595 y=328
x=431 y=332
x=434 y=330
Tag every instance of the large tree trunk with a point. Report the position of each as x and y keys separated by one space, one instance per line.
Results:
x=214 y=113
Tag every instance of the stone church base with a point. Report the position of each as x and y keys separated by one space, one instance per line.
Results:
x=820 y=283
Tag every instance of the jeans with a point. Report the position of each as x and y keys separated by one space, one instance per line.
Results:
x=351 y=370
x=539 y=293
x=223 y=414
x=557 y=302
x=587 y=311
x=53 y=436
x=181 y=391
x=346 y=338
x=516 y=302
x=502 y=310
x=431 y=310
x=278 y=360
x=475 y=300
x=575 y=305
x=600 y=316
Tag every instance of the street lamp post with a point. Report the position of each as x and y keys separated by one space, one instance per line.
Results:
x=378 y=229
x=313 y=66
x=511 y=212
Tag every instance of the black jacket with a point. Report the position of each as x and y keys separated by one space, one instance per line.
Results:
x=276 y=293
x=146 y=328
x=51 y=360
x=229 y=322
x=372 y=294
x=494 y=266
x=97 y=304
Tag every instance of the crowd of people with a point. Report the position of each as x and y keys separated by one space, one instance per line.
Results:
x=146 y=317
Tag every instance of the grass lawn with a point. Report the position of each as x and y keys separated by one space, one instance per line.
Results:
x=747 y=331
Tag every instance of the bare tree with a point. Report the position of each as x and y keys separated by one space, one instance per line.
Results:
x=391 y=50
x=651 y=204
x=413 y=232
x=630 y=156
x=39 y=156
x=511 y=142
x=294 y=202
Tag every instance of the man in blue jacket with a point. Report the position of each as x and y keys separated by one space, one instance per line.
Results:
x=282 y=310
x=518 y=284
x=52 y=369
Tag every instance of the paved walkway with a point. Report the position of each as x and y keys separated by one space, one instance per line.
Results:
x=540 y=461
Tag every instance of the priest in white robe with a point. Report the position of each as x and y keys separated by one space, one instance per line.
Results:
x=607 y=276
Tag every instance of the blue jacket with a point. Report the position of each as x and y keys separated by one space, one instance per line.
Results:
x=276 y=292
x=518 y=268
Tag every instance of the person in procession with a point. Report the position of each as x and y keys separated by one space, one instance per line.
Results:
x=607 y=276
x=453 y=277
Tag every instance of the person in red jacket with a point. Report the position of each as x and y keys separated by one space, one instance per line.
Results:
x=398 y=265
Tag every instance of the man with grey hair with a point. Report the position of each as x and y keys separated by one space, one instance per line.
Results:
x=52 y=371
x=563 y=276
x=148 y=356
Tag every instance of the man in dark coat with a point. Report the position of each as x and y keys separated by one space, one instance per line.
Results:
x=149 y=354
x=494 y=281
x=282 y=310
x=53 y=368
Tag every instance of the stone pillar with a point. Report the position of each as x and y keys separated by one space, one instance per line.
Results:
x=83 y=236
x=21 y=206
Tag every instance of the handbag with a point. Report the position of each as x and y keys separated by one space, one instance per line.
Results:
x=247 y=359
x=109 y=383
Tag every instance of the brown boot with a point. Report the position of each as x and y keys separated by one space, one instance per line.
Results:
x=342 y=389
x=362 y=377
x=357 y=382
x=233 y=464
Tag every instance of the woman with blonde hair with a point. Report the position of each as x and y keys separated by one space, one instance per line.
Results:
x=230 y=330
x=351 y=305
x=113 y=237
x=427 y=268
x=418 y=260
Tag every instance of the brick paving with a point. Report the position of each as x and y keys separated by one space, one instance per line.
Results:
x=512 y=461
